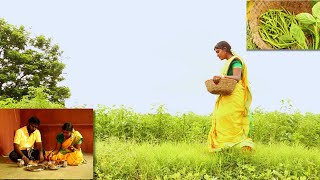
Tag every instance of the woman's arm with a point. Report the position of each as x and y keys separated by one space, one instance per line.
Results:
x=236 y=74
x=76 y=147
x=55 y=151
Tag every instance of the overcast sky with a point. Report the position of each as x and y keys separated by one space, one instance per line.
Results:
x=138 y=53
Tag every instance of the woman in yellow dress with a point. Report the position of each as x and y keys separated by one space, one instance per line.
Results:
x=68 y=146
x=231 y=121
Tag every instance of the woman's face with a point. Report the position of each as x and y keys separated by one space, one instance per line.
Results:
x=221 y=53
x=66 y=134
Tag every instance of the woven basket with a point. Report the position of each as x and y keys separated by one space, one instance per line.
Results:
x=261 y=6
x=224 y=87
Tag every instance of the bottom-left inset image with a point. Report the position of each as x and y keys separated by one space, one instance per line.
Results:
x=46 y=143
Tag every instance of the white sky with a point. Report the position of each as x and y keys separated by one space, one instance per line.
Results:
x=140 y=52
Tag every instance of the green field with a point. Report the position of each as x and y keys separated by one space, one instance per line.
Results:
x=159 y=145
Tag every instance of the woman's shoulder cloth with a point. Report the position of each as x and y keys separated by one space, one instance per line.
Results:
x=77 y=133
x=228 y=63
x=233 y=58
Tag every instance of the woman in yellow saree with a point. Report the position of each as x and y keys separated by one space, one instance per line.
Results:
x=231 y=121
x=68 y=146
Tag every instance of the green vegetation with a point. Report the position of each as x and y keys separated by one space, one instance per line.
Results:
x=311 y=23
x=160 y=126
x=36 y=98
x=157 y=127
x=159 y=145
x=27 y=61
x=281 y=29
x=120 y=159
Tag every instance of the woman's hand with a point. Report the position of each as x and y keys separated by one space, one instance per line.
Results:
x=51 y=154
x=71 y=148
x=216 y=79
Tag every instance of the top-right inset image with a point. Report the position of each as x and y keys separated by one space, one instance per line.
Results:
x=283 y=25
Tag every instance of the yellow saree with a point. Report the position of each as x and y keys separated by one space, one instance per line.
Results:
x=73 y=158
x=230 y=121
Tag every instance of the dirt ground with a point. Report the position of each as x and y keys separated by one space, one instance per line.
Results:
x=10 y=170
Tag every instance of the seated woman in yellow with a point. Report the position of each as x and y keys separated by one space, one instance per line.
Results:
x=230 y=122
x=68 y=146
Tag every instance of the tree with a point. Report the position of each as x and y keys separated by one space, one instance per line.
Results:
x=36 y=98
x=27 y=61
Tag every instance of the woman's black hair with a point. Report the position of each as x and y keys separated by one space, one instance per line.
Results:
x=67 y=126
x=34 y=120
x=223 y=45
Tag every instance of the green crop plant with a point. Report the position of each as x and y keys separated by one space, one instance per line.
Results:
x=127 y=159
x=278 y=28
x=130 y=145
x=310 y=22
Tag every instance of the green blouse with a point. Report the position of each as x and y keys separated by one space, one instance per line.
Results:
x=60 y=139
x=234 y=64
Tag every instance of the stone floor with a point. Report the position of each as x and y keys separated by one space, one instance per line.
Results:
x=10 y=170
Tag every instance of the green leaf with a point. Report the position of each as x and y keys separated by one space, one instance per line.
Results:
x=298 y=34
x=316 y=10
x=306 y=18
x=286 y=38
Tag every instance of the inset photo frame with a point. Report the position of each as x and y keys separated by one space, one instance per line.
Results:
x=43 y=140
x=283 y=25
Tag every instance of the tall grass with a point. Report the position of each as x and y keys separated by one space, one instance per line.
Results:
x=160 y=126
x=287 y=128
x=269 y=127
x=159 y=145
x=123 y=159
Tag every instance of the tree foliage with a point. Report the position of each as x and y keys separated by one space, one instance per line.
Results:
x=27 y=61
x=36 y=98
